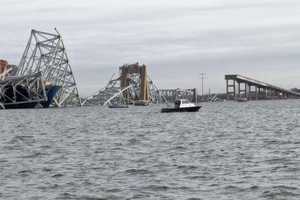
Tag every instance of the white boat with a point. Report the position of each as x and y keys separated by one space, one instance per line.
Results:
x=182 y=105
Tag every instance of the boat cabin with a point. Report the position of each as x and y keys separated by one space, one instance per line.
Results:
x=183 y=103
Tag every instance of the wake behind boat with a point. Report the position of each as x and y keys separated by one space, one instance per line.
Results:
x=182 y=105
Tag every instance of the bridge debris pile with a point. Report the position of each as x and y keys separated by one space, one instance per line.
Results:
x=43 y=77
x=132 y=85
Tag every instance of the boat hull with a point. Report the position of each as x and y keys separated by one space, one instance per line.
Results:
x=187 y=109
x=118 y=106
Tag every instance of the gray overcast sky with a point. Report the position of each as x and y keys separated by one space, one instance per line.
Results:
x=177 y=39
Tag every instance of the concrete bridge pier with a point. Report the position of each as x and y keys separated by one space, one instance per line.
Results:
x=230 y=88
x=241 y=86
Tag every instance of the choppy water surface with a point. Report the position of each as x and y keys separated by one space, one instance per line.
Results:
x=226 y=151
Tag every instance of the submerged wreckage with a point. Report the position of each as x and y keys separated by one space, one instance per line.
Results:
x=43 y=77
x=132 y=85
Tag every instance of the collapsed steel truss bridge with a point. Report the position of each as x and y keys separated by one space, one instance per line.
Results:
x=45 y=53
x=132 y=85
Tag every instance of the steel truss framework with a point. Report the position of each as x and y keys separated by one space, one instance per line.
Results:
x=45 y=53
x=28 y=89
x=114 y=93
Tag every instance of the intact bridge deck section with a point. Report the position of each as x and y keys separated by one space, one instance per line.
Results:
x=238 y=86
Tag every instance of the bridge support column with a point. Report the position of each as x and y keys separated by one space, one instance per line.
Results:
x=266 y=92
x=243 y=92
x=256 y=93
x=247 y=90
x=230 y=89
x=239 y=88
x=227 y=86
x=234 y=88
x=252 y=92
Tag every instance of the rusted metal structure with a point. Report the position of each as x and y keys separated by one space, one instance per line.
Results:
x=238 y=86
x=6 y=70
x=3 y=69
x=136 y=76
x=131 y=85
x=45 y=53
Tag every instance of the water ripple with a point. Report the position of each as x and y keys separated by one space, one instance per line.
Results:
x=226 y=151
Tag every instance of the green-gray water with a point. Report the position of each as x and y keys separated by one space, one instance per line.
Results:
x=226 y=151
